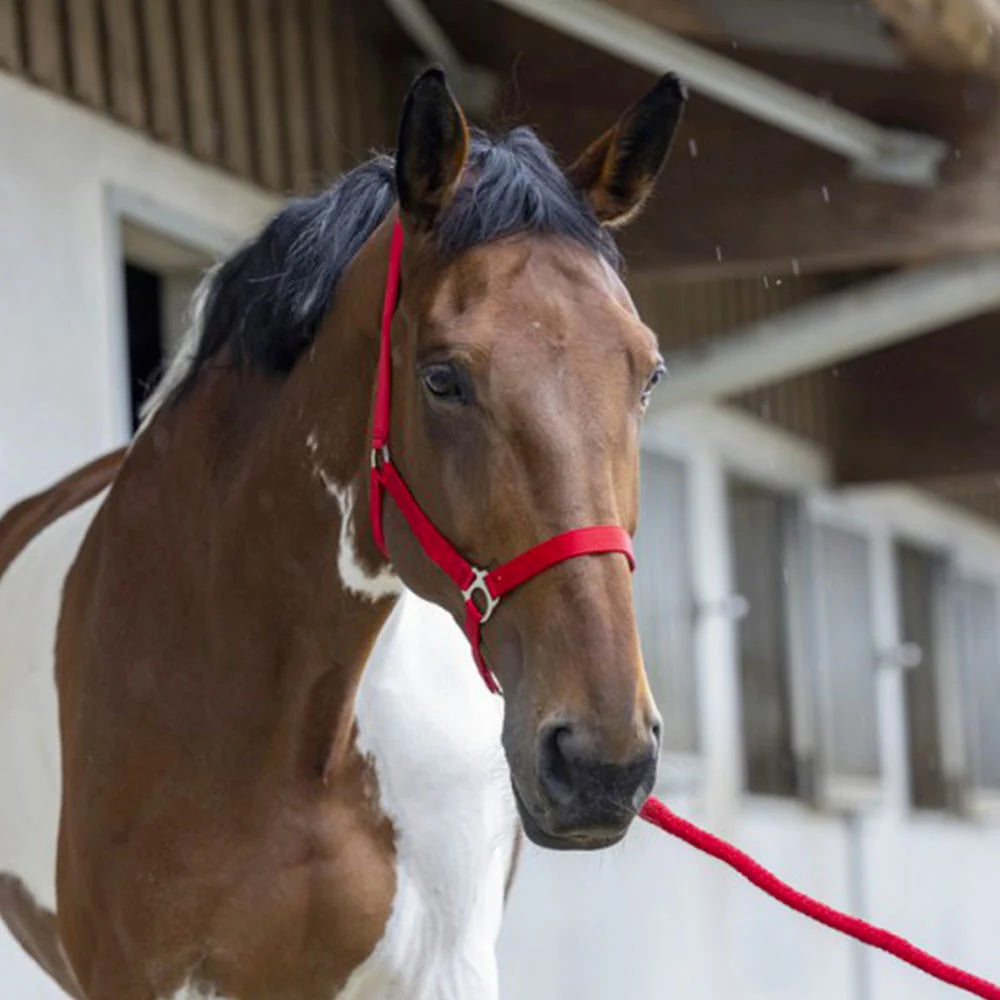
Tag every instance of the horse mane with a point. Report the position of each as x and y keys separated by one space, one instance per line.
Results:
x=265 y=303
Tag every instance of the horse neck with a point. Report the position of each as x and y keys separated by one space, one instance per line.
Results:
x=295 y=590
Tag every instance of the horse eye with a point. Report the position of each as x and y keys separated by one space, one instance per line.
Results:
x=659 y=374
x=446 y=382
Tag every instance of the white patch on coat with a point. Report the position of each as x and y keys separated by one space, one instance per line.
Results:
x=433 y=732
x=190 y=992
x=353 y=575
x=31 y=776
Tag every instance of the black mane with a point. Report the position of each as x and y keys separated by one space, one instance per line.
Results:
x=266 y=302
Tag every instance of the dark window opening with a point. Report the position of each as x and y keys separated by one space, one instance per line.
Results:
x=144 y=322
x=919 y=581
x=759 y=526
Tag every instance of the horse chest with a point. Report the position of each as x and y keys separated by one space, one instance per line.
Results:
x=433 y=734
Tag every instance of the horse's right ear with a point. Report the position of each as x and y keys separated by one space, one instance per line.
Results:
x=433 y=146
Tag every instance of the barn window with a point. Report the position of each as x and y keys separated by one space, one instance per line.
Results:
x=921 y=578
x=144 y=322
x=845 y=655
x=159 y=276
x=760 y=527
x=978 y=641
x=664 y=601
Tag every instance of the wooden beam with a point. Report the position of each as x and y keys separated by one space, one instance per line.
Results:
x=327 y=121
x=160 y=36
x=86 y=53
x=266 y=98
x=296 y=96
x=811 y=28
x=124 y=54
x=832 y=328
x=234 y=100
x=45 y=44
x=890 y=154
x=200 y=116
x=738 y=198
x=670 y=15
x=959 y=35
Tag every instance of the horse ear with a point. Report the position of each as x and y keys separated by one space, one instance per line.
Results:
x=616 y=173
x=433 y=146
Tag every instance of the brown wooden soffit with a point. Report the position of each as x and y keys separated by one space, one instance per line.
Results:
x=740 y=197
x=285 y=93
x=928 y=408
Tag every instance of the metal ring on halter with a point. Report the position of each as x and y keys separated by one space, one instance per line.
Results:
x=380 y=455
x=480 y=587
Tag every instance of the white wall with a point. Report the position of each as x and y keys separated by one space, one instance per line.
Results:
x=64 y=172
x=65 y=175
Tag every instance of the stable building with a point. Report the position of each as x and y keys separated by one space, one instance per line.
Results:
x=819 y=547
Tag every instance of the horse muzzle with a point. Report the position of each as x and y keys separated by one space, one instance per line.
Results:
x=581 y=800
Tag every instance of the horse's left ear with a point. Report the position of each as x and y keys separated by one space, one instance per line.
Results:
x=432 y=150
x=617 y=172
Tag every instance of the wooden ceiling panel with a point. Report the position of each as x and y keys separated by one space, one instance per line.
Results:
x=740 y=197
x=924 y=409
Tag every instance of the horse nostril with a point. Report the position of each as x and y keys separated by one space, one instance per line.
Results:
x=555 y=771
x=656 y=731
x=585 y=788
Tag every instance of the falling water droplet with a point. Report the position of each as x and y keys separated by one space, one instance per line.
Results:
x=796 y=270
x=718 y=253
x=693 y=147
x=826 y=194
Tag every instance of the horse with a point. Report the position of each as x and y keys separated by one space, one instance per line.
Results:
x=246 y=756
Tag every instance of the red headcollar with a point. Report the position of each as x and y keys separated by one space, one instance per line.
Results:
x=481 y=589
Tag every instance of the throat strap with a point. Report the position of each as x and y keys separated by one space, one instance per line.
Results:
x=481 y=589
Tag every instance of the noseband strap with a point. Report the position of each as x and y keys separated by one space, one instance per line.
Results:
x=481 y=589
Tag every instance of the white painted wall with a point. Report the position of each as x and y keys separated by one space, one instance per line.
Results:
x=65 y=175
x=63 y=172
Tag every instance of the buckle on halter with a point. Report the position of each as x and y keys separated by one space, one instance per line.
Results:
x=380 y=456
x=479 y=588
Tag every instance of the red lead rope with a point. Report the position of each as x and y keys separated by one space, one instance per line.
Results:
x=659 y=815
x=482 y=590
